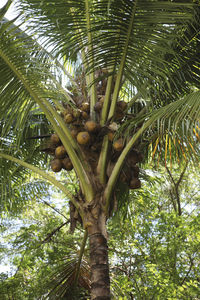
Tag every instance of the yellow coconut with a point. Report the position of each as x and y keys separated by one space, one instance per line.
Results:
x=91 y=126
x=118 y=144
x=68 y=118
x=111 y=135
x=83 y=138
x=55 y=139
x=60 y=152
x=76 y=113
x=85 y=106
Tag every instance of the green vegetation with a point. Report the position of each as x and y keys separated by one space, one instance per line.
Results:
x=153 y=250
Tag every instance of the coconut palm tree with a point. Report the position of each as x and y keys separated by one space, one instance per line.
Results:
x=103 y=80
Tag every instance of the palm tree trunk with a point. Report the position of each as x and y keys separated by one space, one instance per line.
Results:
x=100 y=280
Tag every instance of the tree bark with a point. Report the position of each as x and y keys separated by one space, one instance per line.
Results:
x=100 y=280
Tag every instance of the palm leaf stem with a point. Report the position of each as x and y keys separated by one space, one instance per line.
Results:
x=122 y=64
x=106 y=103
x=80 y=257
x=101 y=167
x=115 y=173
x=92 y=87
x=87 y=76
x=55 y=209
x=43 y=175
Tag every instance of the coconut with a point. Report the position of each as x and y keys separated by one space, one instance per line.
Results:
x=68 y=118
x=118 y=144
x=98 y=106
x=91 y=126
x=83 y=138
x=119 y=115
x=122 y=105
x=56 y=165
x=55 y=139
x=60 y=152
x=84 y=115
x=125 y=175
x=135 y=183
x=67 y=111
x=134 y=157
x=74 y=132
x=111 y=135
x=76 y=113
x=136 y=171
x=67 y=164
x=85 y=106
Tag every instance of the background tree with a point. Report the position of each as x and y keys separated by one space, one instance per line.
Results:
x=153 y=252
x=132 y=55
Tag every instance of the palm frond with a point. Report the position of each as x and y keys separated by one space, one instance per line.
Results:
x=63 y=24
x=34 y=63
x=62 y=281
x=44 y=175
x=155 y=32
x=175 y=129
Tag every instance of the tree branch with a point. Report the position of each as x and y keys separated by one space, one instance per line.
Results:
x=55 y=209
x=49 y=236
x=190 y=268
x=176 y=188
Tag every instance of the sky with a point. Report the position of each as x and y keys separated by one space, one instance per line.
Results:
x=11 y=12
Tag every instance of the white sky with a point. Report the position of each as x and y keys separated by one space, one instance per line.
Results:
x=11 y=12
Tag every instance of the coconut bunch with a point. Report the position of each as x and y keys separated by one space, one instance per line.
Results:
x=89 y=135
x=61 y=159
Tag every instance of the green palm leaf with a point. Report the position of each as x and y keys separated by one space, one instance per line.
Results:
x=62 y=280
x=144 y=37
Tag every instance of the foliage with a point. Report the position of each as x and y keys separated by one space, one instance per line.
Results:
x=38 y=244
x=153 y=251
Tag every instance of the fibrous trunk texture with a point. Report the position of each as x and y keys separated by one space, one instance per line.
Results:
x=100 y=281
